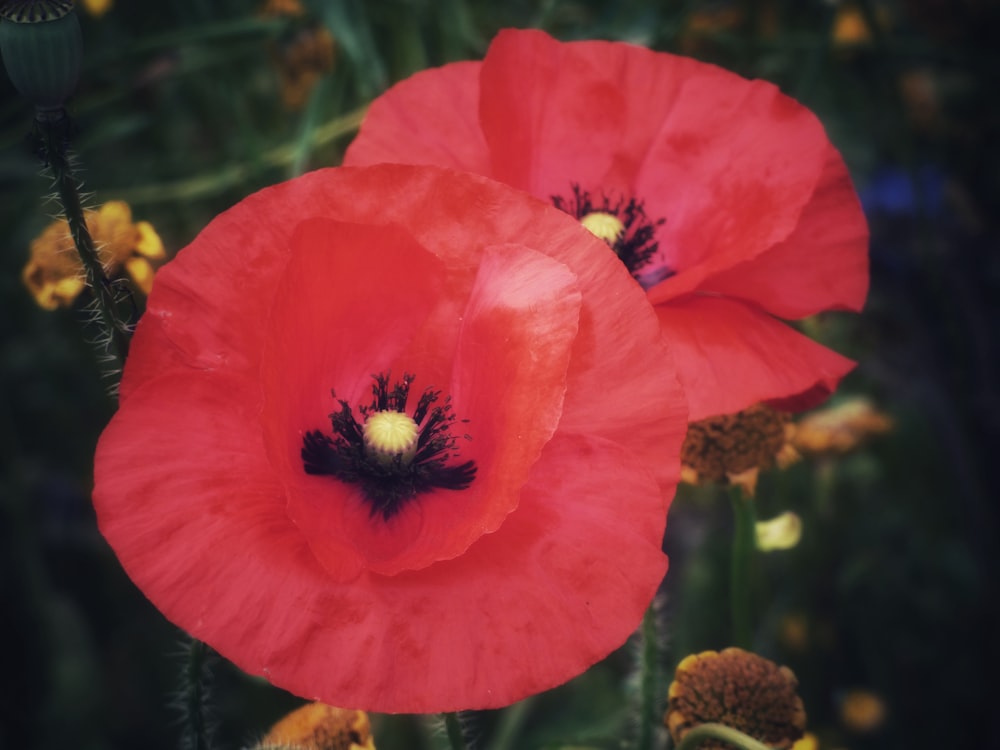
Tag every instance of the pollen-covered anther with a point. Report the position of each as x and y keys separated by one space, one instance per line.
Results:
x=392 y=456
x=391 y=434
x=622 y=223
x=603 y=225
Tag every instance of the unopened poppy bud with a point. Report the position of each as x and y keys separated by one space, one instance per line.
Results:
x=42 y=48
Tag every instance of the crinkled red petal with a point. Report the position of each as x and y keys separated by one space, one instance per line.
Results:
x=823 y=265
x=731 y=355
x=432 y=118
x=507 y=359
x=757 y=204
x=194 y=495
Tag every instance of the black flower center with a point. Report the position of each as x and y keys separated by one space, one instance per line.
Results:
x=392 y=455
x=624 y=225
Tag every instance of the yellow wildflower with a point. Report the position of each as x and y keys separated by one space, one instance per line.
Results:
x=54 y=274
x=781 y=532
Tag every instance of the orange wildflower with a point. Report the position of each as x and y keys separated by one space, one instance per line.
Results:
x=840 y=428
x=317 y=726
x=302 y=56
x=54 y=273
x=862 y=711
x=97 y=8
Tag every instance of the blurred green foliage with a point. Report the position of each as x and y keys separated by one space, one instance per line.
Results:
x=179 y=112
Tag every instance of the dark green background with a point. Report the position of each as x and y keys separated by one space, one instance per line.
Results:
x=177 y=103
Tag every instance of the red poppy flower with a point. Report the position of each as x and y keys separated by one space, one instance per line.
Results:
x=479 y=521
x=722 y=195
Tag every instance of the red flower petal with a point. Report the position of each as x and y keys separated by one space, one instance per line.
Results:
x=502 y=301
x=823 y=265
x=540 y=606
x=718 y=343
x=757 y=204
x=729 y=163
x=510 y=355
x=447 y=96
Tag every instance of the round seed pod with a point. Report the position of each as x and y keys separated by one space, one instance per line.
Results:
x=42 y=47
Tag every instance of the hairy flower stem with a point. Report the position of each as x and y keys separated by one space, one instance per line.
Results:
x=649 y=663
x=456 y=737
x=54 y=128
x=742 y=564
x=719 y=732
x=195 y=688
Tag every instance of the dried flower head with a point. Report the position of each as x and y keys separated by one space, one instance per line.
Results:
x=317 y=726
x=54 y=274
x=739 y=689
x=733 y=448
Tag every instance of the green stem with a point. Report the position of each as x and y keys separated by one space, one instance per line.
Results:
x=511 y=722
x=196 y=727
x=456 y=737
x=649 y=662
x=719 y=732
x=54 y=129
x=744 y=543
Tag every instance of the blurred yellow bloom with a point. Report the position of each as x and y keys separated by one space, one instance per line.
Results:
x=862 y=711
x=840 y=428
x=97 y=8
x=733 y=448
x=850 y=28
x=54 y=274
x=303 y=56
x=808 y=742
x=781 y=532
x=709 y=23
x=739 y=689
x=316 y=726
x=794 y=632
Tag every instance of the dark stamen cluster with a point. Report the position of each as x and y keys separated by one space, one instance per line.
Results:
x=637 y=243
x=390 y=484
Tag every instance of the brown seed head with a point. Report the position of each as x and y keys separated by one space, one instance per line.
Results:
x=739 y=689
x=722 y=448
